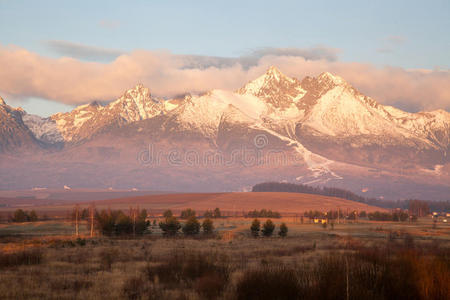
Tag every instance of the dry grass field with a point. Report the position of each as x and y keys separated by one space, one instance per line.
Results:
x=363 y=260
x=231 y=203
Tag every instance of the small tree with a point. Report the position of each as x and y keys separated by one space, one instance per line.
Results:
x=187 y=213
x=208 y=226
x=20 y=216
x=255 y=228
x=32 y=216
x=283 y=230
x=208 y=214
x=141 y=223
x=217 y=213
x=268 y=228
x=170 y=226
x=85 y=214
x=168 y=213
x=192 y=226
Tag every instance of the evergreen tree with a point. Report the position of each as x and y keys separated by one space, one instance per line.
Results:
x=255 y=228
x=208 y=226
x=32 y=216
x=170 y=226
x=268 y=228
x=217 y=213
x=192 y=226
x=283 y=230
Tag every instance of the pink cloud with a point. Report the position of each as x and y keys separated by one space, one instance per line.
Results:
x=67 y=80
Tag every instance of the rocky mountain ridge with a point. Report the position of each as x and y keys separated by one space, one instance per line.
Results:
x=323 y=121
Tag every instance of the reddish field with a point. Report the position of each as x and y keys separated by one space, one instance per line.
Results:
x=285 y=203
x=237 y=202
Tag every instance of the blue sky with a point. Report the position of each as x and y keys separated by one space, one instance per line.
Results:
x=405 y=34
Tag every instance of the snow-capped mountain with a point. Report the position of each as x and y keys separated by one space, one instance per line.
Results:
x=44 y=129
x=134 y=105
x=324 y=122
x=14 y=133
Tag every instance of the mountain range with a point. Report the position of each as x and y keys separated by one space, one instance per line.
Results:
x=320 y=131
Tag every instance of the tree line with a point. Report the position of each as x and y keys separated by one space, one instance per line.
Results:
x=417 y=207
x=263 y=213
x=118 y=223
x=397 y=215
x=24 y=216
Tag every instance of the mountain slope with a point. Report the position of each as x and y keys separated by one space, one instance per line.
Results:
x=318 y=130
x=14 y=134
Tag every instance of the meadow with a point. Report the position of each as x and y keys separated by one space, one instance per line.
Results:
x=355 y=260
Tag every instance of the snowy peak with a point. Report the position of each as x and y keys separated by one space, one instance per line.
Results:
x=44 y=129
x=70 y=123
x=14 y=134
x=275 y=88
x=328 y=78
x=273 y=73
x=136 y=104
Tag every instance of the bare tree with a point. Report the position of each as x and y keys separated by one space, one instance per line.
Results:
x=91 y=217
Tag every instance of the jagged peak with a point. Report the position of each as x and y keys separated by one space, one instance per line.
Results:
x=272 y=70
x=95 y=103
x=437 y=112
x=273 y=76
x=2 y=102
x=330 y=77
x=138 y=89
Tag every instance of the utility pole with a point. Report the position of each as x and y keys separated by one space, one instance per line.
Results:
x=133 y=213
x=91 y=215
x=77 y=208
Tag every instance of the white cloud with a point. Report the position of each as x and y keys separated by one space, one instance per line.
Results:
x=68 y=80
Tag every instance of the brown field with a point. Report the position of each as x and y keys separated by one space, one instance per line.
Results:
x=346 y=259
x=355 y=260
x=231 y=203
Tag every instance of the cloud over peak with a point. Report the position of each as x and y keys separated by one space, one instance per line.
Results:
x=82 y=51
x=72 y=81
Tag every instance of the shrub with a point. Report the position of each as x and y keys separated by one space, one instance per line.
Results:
x=187 y=213
x=210 y=286
x=269 y=283
x=32 y=216
x=20 y=216
x=213 y=213
x=170 y=226
x=167 y=214
x=192 y=268
x=208 y=226
x=208 y=214
x=217 y=213
x=283 y=230
x=26 y=257
x=192 y=226
x=133 y=287
x=107 y=258
x=268 y=228
x=74 y=285
x=255 y=227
